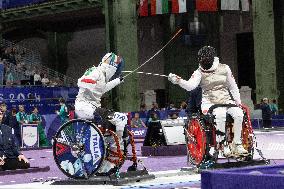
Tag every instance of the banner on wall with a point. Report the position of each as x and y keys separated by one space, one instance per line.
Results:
x=30 y=138
x=45 y=98
x=7 y=4
x=138 y=133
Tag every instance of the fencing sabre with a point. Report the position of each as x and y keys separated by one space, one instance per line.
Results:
x=146 y=73
x=176 y=34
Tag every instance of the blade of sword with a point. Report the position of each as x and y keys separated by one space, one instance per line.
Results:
x=146 y=73
x=133 y=71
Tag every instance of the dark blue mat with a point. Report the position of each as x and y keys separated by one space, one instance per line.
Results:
x=259 y=177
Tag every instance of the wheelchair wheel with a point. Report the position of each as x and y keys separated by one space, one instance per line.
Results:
x=79 y=149
x=196 y=142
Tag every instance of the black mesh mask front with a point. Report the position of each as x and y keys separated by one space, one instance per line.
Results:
x=206 y=57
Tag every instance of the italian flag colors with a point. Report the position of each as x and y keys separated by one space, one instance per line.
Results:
x=178 y=6
x=159 y=7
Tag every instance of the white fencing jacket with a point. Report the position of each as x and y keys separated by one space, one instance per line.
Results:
x=218 y=84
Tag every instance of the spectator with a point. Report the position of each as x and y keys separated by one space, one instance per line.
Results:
x=71 y=112
x=6 y=114
x=154 y=113
x=2 y=73
x=10 y=79
x=173 y=115
x=274 y=107
x=17 y=77
x=183 y=107
x=29 y=76
x=258 y=105
x=45 y=80
x=155 y=107
x=37 y=78
x=35 y=118
x=266 y=114
x=57 y=82
x=22 y=118
x=13 y=123
x=171 y=106
x=10 y=157
x=63 y=112
x=136 y=122
x=153 y=117
x=143 y=111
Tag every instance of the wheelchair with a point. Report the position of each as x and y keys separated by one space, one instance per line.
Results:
x=81 y=146
x=200 y=133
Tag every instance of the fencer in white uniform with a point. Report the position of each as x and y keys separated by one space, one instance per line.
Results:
x=218 y=87
x=92 y=85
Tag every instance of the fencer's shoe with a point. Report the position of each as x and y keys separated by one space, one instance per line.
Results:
x=227 y=151
x=212 y=151
x=238 y=149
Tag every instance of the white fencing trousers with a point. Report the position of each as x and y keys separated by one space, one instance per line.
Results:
x=220 y=119
x=84 y=110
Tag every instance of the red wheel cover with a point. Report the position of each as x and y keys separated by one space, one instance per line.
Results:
x=196 y=148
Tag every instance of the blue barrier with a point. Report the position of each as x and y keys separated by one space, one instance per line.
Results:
x=45 y=98
x=8 y=4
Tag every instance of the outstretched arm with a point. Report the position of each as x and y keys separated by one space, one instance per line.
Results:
x=233 y=87
x=188 y=85
x=111 y=84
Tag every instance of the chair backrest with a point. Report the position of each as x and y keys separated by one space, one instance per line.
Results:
x=194 y=101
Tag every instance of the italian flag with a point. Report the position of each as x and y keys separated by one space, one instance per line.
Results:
x=178 y=6
x=159 y=7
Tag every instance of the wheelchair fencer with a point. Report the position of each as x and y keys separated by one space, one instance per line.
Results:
x=201 y=133
x=84 y=148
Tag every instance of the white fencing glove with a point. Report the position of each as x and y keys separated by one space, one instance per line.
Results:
x=174 y=78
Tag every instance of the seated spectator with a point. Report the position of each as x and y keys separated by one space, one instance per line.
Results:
x=183 y=107
x=57 y=82
x=45 y=80
x=136 y=122
x=143 y=111
x=29 y=75
x=10 y=79
x=155 y=107
x=35 y=118
x=10 y=157
x=2 y=71
x=37 y=78
x=17 y=77
x=171 y=106
x=173 y=115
